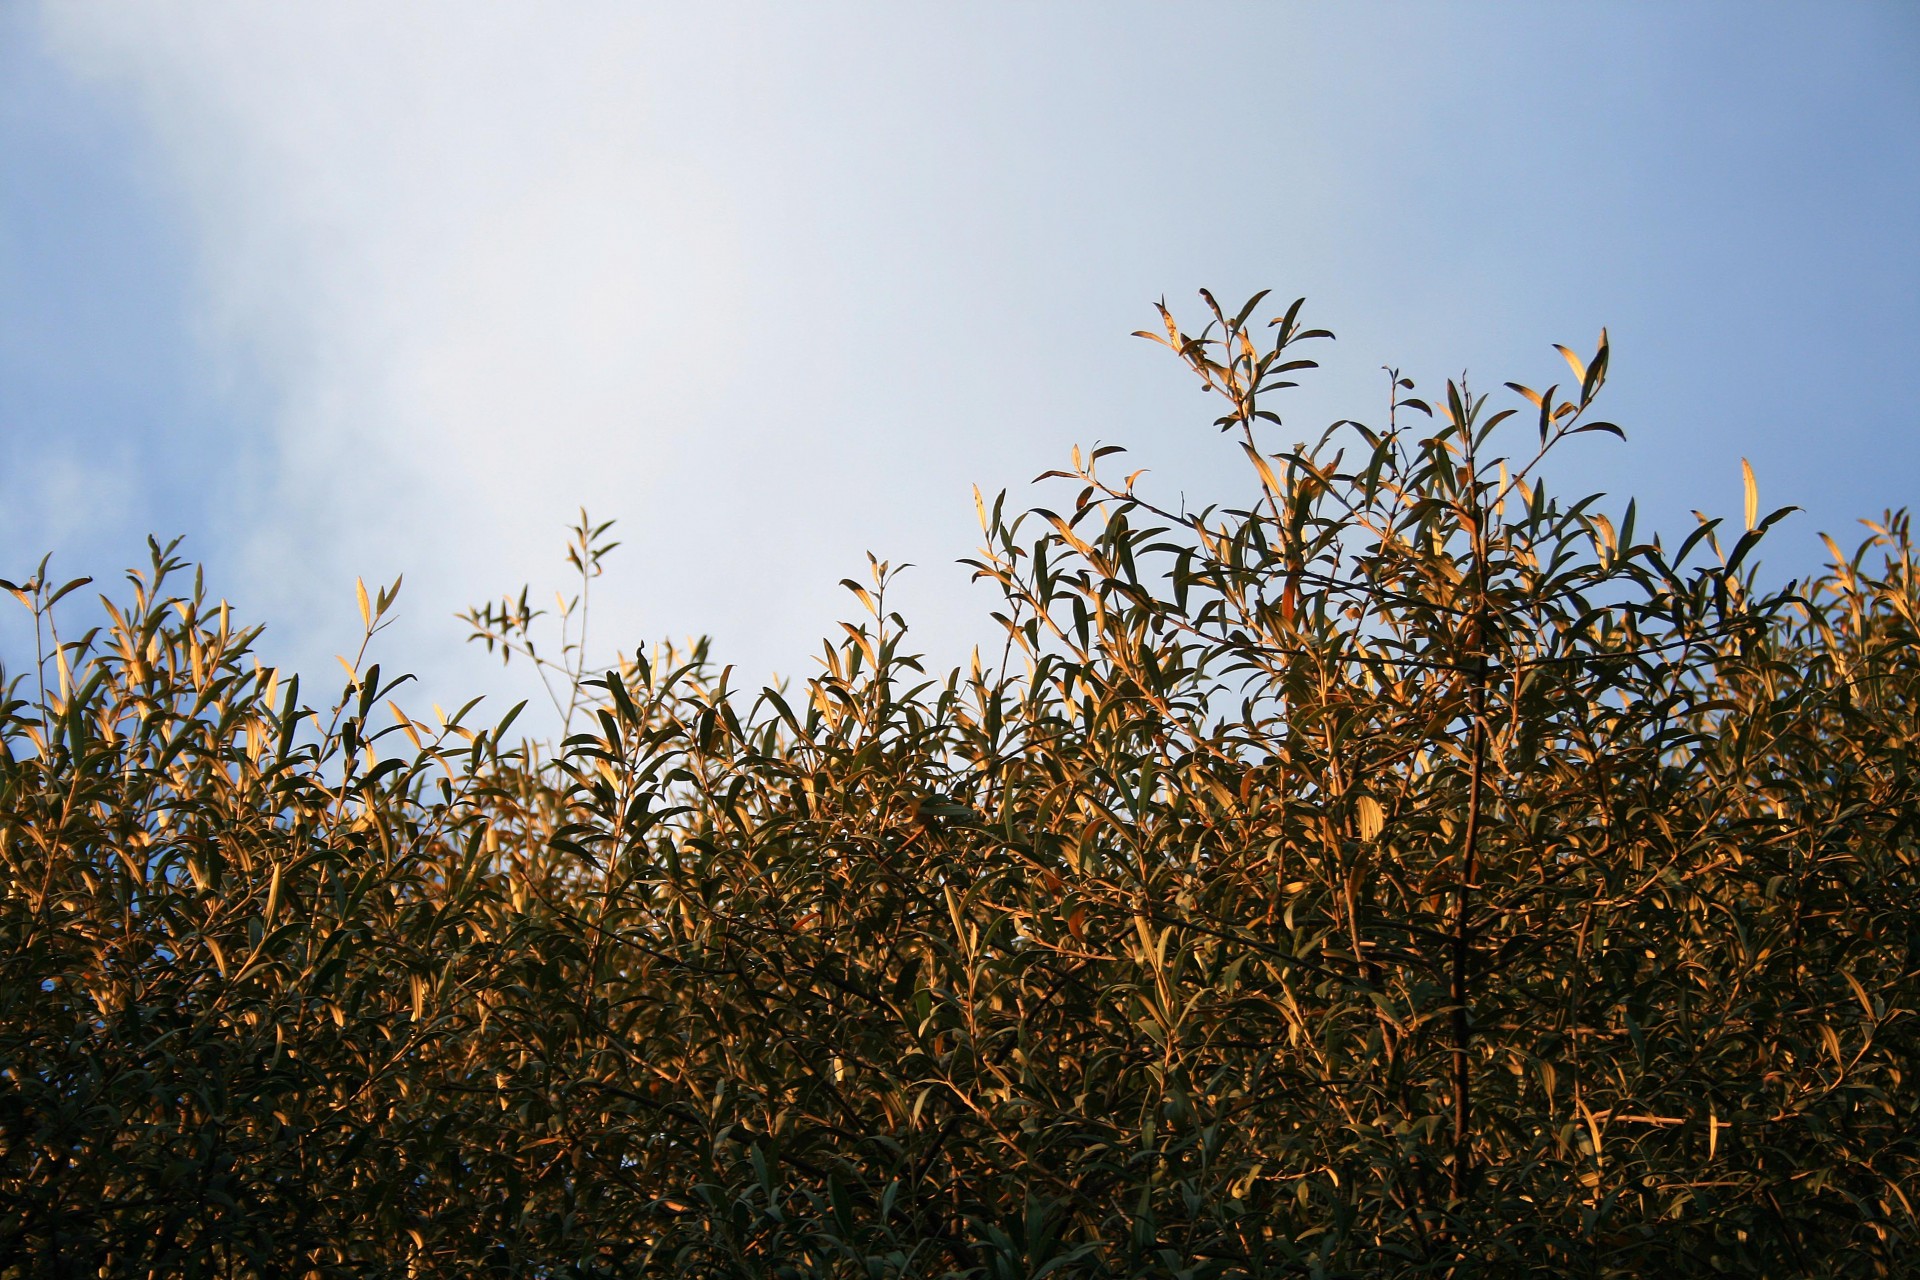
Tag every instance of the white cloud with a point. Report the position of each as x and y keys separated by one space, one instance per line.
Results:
x=476 y=285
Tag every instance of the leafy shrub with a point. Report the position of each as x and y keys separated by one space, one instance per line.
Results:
x=1409 y=872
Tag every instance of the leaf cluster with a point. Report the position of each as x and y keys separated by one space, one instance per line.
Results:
x=1407 y=871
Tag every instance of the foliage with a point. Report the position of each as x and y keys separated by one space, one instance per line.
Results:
x=1409 y=872
x=241 y=971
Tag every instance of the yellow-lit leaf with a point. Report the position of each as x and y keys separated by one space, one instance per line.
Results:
x=366 y=609
x=1574 y=362
x=1608 y=538
x=405 y=723
x=1371 y=816
x=1860 y=994
x=1260 y=464
x=1753 y=494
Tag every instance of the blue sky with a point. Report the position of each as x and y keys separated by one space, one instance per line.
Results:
x=356 y=289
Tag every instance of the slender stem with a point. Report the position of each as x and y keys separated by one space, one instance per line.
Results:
x=40 y=641
x=1463 y=944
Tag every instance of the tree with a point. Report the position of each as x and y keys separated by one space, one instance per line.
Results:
x=1404 y=872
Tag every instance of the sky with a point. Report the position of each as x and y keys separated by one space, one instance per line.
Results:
x=367 y=289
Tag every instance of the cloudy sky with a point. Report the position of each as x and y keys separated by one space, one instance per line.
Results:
x=366 y=289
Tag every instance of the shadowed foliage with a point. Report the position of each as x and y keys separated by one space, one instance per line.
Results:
x=1409 y=872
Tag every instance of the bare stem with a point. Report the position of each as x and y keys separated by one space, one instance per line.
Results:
x=1463 y=944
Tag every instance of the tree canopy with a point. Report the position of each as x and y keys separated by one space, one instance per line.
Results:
x=1409 y=871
